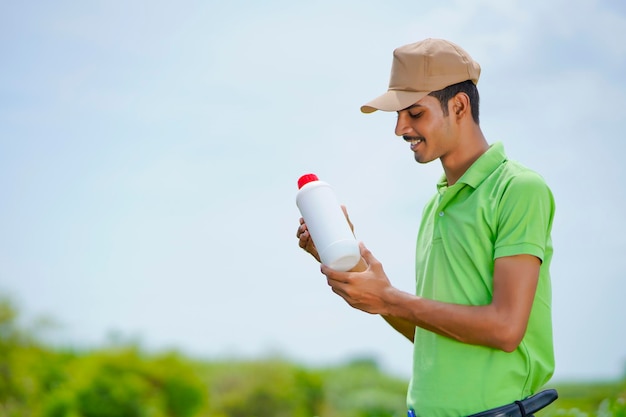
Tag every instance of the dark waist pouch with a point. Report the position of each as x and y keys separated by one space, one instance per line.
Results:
x=524 y=408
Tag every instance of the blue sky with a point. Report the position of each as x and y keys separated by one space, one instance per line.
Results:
x=149 y=153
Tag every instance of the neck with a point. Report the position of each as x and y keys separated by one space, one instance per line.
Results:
x=456 y=163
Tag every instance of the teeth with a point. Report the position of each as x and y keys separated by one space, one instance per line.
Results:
x=413 y=141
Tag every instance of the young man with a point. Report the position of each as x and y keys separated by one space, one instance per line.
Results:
x=480 y=320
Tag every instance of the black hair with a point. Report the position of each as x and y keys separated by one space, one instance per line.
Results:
x=467 y=87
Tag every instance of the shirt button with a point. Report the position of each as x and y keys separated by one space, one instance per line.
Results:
x=441 y=214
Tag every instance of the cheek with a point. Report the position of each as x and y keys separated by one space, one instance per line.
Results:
x=421 y=128
x=439 y=130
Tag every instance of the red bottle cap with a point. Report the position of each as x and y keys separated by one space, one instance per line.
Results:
x=305 y=179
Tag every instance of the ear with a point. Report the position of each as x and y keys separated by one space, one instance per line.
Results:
x=460 y=106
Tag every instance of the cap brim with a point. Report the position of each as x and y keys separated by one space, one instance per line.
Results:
x=394 y=100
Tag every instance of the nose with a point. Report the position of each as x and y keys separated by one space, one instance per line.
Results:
x=403 y=127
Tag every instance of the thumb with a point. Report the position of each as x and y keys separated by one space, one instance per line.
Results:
x=367 y=255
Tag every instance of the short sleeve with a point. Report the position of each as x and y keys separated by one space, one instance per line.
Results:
x=525 y=215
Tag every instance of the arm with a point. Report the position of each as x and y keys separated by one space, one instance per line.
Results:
x=402 y=326
x=500 y=324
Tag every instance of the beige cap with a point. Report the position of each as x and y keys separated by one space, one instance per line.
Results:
x=421 y=68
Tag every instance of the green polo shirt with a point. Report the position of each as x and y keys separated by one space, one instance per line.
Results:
x=497 y=208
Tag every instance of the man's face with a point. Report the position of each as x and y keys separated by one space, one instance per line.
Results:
x=425 y=127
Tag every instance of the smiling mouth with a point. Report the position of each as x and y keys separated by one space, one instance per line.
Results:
x=413 y=140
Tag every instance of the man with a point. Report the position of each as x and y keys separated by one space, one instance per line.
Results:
x=481 y=317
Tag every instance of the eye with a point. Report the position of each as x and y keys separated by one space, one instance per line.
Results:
x=416 y=116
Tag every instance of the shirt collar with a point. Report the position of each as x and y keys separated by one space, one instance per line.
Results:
x=480 y=169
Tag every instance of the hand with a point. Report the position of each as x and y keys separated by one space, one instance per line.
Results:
x=367 y=290
x=304 y=237
x=305 y=241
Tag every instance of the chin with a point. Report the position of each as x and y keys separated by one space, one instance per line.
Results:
x=422 y=159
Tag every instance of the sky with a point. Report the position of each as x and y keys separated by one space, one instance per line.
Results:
x=149 y=153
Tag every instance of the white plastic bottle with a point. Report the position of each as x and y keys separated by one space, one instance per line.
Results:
x=327 y=224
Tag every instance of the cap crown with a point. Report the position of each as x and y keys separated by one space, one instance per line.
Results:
x=431 y=65
x=420 y=68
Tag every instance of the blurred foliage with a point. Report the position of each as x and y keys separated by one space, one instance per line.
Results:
x=121 y=380
x=584 y=399
x=36 y=380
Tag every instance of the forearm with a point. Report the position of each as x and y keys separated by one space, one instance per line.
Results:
x=479 y=325
x=500 y=324
x=404 y=327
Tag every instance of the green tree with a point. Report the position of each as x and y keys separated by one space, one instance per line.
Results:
x=361 y=389
x=264 y=389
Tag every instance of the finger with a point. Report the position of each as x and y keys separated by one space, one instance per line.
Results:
x=304 y=240
x=336 y=286
x=334 y=277
x=366 y=254
x=301 y=229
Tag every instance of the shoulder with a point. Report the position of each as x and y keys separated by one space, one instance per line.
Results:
x=524 y=197
x=515 y=178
